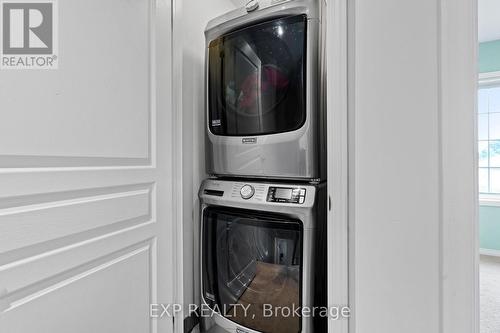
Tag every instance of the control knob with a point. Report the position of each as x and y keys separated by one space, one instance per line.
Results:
x=247 y=191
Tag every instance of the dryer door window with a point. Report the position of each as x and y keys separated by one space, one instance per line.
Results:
x=252 y=262
x=256 y=79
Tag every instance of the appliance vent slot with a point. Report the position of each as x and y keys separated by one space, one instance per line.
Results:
x=214 y=193
x=236 y=190
x=260 y=192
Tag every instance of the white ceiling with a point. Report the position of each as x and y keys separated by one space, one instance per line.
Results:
x=489 y=20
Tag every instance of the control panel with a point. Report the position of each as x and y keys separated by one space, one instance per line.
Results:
x=295 y=195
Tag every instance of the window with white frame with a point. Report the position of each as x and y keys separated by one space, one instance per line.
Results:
x=489 y=138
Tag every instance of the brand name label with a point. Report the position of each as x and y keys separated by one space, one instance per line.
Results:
x=239 y=330
x=249 y=140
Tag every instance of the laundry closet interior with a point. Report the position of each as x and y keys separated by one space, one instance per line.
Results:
x=253 y=174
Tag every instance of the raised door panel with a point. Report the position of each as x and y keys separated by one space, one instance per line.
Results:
x=50 y=216
x=109 y=296
x=96 y=108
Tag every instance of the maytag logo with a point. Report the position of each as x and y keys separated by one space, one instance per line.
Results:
x=239 y=330
x=29 y=34
x=249 y=140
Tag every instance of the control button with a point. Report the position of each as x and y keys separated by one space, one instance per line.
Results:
x=303 y=192
x=247 y=191
x=301 y=200
x=252 y=5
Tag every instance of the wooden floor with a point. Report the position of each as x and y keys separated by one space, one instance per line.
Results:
x=272 y=284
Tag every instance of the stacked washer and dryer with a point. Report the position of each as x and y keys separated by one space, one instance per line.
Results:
x=263 y=209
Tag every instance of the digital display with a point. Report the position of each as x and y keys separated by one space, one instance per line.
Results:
x=283 y=193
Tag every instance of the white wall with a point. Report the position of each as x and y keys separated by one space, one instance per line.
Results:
x=396 y=167
x=407 y=196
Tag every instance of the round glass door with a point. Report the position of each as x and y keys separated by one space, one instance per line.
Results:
x=256 y=79
x=252 y=264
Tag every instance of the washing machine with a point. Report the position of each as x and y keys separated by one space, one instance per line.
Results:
x=263 y=256
x=265 y=116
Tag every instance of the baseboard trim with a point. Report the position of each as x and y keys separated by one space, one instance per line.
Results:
x=488 y=252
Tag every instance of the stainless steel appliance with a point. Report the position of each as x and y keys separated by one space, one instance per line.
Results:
x=262 y=247
x=264 y=114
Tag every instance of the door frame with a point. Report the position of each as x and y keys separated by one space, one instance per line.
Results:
x=177 y=162
x=459 y=197
x=336 y=55
x=458 y=192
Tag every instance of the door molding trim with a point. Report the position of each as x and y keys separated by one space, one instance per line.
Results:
x=459 y=198
x=336 y=49
x=177 y=158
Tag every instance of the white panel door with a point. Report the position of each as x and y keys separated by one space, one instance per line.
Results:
x=85 y=176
